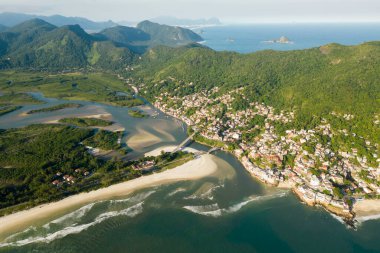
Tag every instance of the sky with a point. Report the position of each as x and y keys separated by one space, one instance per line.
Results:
x=229 y=11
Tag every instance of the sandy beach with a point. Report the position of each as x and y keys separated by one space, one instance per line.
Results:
x=367 y=209
x=203 y=166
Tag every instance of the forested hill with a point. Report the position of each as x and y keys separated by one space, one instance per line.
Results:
x=147 y=35
x=37 y=44
x=318 y=81
x=168 y=35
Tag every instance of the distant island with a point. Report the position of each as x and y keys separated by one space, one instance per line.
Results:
x=281 y=40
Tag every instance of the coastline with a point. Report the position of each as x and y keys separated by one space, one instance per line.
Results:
x=205 y=165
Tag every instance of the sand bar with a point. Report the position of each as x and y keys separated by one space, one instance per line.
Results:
x=203 y=166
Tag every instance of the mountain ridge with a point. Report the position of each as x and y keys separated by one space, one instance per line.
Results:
x=10 y=19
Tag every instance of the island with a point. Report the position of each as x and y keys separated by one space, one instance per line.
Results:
x=86 y=122
x=281 y=40
x=55 y=108
x=137 y=114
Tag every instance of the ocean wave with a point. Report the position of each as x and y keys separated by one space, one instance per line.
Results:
x=207 y=210
x=31 y=228
x=115 y=201
x=205 y=195
x=140 y=197
x=178 y=190
x=75 y=215
x=214 y=210
x=75 y=229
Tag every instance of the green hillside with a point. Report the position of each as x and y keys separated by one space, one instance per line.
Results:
x=168 y=35
x=148 y=35
x=311 y=82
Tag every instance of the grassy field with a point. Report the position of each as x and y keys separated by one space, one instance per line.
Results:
x=97 y=87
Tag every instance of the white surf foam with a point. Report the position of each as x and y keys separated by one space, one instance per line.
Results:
x=178 y=190
x=75 y=229
x=205 y=195
x=141 y=196
x=207 y=210
x=214 y=210
x=76 y=215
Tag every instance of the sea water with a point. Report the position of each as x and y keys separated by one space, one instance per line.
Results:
x=252 y=38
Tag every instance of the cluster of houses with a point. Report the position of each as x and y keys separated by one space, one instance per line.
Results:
x=315 y=174
x=61 y=179
x=145 y=166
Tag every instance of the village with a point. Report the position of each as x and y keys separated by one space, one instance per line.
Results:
x=301 y=160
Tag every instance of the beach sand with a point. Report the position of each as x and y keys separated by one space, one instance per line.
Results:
x=365 y=209
x=205 y=165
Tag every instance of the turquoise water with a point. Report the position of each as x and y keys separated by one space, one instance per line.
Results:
x=228 y=212
x=250 y=38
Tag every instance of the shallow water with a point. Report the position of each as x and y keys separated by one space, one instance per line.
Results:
x=228 y=212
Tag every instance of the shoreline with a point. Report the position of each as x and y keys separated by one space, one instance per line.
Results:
x=205 y=165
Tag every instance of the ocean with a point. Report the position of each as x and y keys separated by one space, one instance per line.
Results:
x=252 y=38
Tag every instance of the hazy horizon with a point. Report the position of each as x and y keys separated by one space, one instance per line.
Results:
x=238 y=11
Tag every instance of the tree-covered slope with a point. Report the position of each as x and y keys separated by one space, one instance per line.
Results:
x=40 y=45
x=343 y=78
x=313 y=82
x=148 y=35
x=168 y=35
x=124 y=35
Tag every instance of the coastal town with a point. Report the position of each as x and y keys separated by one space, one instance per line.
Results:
x=303 y=160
